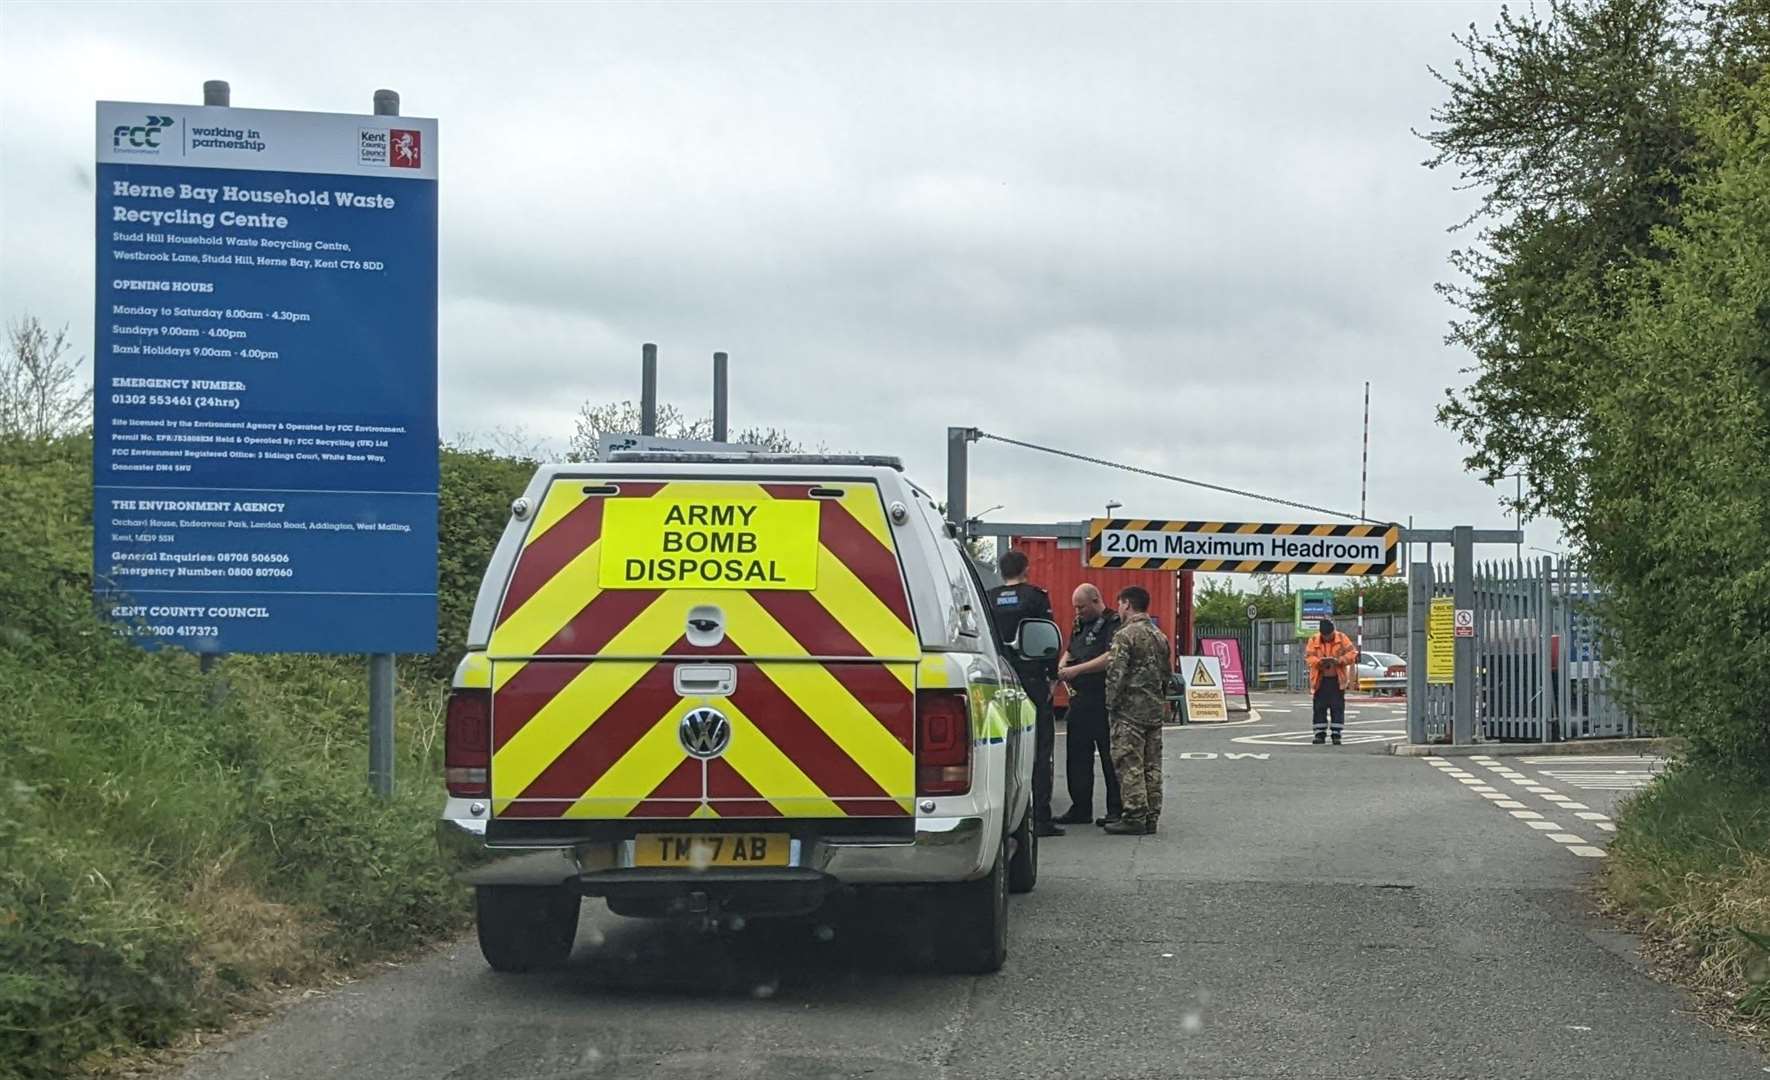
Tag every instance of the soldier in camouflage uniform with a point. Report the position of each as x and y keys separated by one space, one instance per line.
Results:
x=1137 y=679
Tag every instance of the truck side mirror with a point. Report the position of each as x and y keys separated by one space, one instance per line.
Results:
x=1039 y=639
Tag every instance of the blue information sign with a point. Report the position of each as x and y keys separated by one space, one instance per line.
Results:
x=1313 y=605
x=264 y=430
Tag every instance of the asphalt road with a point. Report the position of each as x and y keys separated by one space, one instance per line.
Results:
x=1307 y=912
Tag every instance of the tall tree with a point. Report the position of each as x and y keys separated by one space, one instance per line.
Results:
x=43 y=390
x=1617 y=304
x=1573 y=126
x=1679 y=519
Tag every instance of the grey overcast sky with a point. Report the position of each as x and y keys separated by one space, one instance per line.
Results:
x=1181 y=236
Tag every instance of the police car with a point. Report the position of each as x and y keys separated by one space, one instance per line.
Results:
x=709 y=686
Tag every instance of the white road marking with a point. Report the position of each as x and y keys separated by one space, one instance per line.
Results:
x=1353 y=737
x=1210 y=755
x=1601 y=772
x=1539 y=825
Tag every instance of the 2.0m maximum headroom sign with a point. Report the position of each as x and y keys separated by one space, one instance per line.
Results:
x=264 y=456
x=1239 y=547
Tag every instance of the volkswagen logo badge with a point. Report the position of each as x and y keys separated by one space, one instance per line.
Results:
x=705 y=733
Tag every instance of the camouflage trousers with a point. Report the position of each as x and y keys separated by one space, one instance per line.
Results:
x=1137 y=755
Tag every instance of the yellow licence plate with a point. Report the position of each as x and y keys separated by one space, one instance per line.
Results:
x=702 y=851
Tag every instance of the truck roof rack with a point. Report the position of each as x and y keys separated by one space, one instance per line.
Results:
x=753 y=457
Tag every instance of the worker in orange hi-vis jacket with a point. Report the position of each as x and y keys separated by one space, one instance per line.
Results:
x=1333 y=670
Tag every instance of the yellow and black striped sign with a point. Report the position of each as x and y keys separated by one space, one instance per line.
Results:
x=1242 y=547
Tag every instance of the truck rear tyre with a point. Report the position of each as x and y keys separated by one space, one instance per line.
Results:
x=524 y=928
x=972 y=921
x=1023 y=868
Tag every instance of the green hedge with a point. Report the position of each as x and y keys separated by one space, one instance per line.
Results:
x=1691 y=860
x=172 y=840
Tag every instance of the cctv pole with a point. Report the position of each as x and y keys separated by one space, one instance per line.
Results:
x=721 y=417
x=648 y=389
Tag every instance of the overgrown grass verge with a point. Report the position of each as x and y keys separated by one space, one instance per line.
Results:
x=175 y=843
x=1690 y=866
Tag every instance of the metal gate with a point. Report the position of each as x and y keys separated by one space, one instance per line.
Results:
x=1537 y=663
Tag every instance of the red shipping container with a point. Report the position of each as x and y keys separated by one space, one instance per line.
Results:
x=1059 y=570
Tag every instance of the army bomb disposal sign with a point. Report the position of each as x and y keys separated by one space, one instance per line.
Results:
x=680 y=539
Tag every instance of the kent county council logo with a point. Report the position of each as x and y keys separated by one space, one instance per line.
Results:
x=143 y=138
x=395 y=148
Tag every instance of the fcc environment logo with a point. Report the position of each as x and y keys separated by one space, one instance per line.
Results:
x=142 y=138
x=390 y=148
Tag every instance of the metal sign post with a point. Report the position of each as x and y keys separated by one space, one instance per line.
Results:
x=958 y=464
x=382 y=676
x=1419 y=599
x=1463 y=586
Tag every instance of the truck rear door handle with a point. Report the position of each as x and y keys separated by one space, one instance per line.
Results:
x=706 y=680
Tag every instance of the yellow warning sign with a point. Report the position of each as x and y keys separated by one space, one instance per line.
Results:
x=1201 y=675
x=1204 y=689
x=1441 y=642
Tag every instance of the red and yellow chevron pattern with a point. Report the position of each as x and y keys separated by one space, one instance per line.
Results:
x=585 y=711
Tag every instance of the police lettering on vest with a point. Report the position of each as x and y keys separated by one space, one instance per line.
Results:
x=1011 y=604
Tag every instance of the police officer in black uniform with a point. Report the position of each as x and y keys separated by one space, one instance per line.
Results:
x=1083 y=667
x=1009 y=603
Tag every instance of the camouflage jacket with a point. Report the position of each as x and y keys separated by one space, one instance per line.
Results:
x=1138 y=672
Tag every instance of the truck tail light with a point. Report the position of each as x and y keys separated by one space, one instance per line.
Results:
x=943 y=742
x=467 y=743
